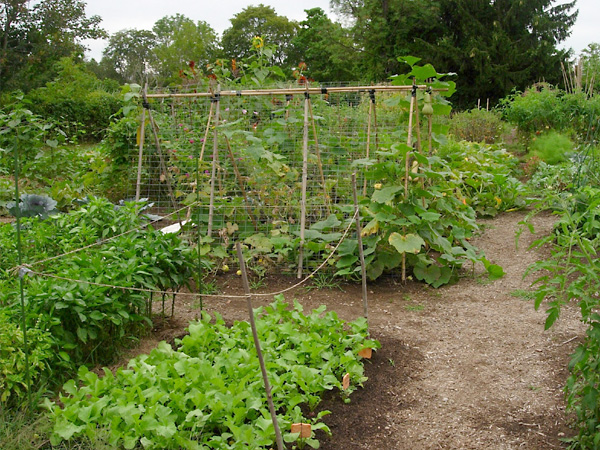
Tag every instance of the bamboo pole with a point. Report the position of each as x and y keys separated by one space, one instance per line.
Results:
x=210 y=114
x=418 y=121
x=261 y=360
x=318 y=152
x=375 y=124
x=413 y=99
x=368 y=142
x=361 y=254
x=292 y=91
x=430 y=133
x=240 y=182
x=211 y=205
x=304 y=183
x=140 y=156
x=198 y=161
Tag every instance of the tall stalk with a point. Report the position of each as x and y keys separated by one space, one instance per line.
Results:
x=22 y=272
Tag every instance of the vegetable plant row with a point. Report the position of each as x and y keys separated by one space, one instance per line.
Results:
x=207 y=392
x=75 y=322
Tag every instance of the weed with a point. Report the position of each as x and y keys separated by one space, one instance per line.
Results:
x=324 y=280
x=257 y=283
x=523 y=294
x=414 y=307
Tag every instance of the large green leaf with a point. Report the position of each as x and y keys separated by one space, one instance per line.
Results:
x=408 y=243
x=386 y=194
x=331 y=222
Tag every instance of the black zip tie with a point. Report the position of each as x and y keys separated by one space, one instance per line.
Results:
x=414 y=90
x=146 y=105
x=215 y=98
x=288 y=97
x=238 y=93
x=372 y=95
x=307 y=96
x=324 y=91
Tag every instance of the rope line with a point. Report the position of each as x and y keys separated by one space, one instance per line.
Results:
x=196 y=294
x=100 y=242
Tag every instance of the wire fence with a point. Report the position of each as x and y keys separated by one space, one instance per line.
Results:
x=264 y=162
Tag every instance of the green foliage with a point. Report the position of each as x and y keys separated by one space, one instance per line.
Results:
x=543 y=107
x=551 y=147
x=24 y=131
x=494 y=46
x=130 y=52
x=570 y=275
x=77 y=100
x=89 y=322
x=431 y=227
x=180 y=40
x=208 y=392
x=484 y=176
x=476 y=125
x=37 y=35
x=323 y=46
x=13 y=383
x=261 y=21
x=583 y=389
x=591 y=67
x=553 y=178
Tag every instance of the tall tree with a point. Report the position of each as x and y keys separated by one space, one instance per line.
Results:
x=180 y=40
x=35 y=36
x=324 y=47
x=493 y=45
x=131 y=54
x=260 y=21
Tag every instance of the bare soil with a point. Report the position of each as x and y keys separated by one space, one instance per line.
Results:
x=467 y=366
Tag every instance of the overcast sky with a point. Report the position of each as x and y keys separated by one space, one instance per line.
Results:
x=142 y=14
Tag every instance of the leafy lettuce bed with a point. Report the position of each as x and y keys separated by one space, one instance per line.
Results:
x=208 y=392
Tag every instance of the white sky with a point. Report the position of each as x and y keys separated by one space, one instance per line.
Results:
x=121 y=14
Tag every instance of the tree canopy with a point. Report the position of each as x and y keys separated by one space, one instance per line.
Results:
x=34 y=37
x=494 y=46
x=260 y=21
x=180 y=40
x=324 y=47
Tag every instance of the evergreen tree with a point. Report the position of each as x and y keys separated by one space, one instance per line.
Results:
x=493 y=45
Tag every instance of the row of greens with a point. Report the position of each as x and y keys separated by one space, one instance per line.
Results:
x=207 y=392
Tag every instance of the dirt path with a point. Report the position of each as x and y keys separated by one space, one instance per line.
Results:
x=467 y=366
x=479 y=371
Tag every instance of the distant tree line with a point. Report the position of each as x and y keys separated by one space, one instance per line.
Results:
x=494 y=46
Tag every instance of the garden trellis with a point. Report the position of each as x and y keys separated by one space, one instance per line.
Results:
x=257 y=163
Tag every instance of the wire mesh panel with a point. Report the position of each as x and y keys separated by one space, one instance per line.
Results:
x=268 y=163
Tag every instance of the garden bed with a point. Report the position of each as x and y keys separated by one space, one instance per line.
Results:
x=463 y=366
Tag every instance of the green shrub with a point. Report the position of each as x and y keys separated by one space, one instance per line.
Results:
x=77 y=100
x=543 y=107
x=551 y=147
x=476 y=125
